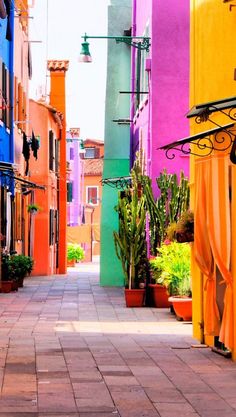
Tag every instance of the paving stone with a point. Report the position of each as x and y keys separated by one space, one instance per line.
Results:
x=176 y=410
x=96 y=358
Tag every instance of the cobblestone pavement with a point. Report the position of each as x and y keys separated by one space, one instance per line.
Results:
x=70 y=348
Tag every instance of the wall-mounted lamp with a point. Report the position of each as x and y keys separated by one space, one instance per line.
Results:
x=139 y=42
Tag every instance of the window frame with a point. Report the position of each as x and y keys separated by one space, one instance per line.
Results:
x=87 y=195
x=90 y=148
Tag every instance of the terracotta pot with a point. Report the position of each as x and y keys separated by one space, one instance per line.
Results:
x=159 y=295
x=182 y=307
x=134 y=297
x=20 y=282
x=14 y=286
x=6 y=286
x=71 y=263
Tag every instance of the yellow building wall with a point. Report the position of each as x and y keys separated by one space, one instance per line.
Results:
x=212 y=65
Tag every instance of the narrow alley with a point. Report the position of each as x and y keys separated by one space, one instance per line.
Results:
x=71 y=348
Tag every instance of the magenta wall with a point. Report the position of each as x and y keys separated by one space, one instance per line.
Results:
x=165 y=120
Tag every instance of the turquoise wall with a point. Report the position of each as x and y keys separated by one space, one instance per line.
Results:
x=117 y=137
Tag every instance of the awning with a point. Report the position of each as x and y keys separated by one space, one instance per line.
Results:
x=203 y=144
x=202 y=111
x=6 y=170
x=118 y=182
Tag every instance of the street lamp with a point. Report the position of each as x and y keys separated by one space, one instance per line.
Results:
x=138 y=42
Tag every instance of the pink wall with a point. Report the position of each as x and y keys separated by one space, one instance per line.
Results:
x=169 y=81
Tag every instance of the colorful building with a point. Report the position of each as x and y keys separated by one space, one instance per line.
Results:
x=117 y=136
x=74 y=150
x=84 y=196
x=6 y=124
x=160 y=83
x=92 y=190
x=44 y=169
x=15 y=129
x=213 y=173
x=153 y=98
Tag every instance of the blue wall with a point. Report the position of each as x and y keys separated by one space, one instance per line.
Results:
x=6 y=55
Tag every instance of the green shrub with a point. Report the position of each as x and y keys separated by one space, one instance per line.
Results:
x=18 y=266
x=171 y=267
x=74 y=252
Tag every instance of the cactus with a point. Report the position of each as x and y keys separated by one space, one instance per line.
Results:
x=130 y=240
x=137 y=206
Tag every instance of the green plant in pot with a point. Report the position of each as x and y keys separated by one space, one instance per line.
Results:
x=33 y=208
x=173 y=261
x=130 y=240
x=75 y=253
x=158 y=289
x=19 y=266
x=6 y=280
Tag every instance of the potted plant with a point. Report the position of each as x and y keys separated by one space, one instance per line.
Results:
x=185 y=227
x=6 y=282
x=130 y=244
x=74 y=253
x=159 y=291
x=19 y=266
x=174 y=262
x=33 y=208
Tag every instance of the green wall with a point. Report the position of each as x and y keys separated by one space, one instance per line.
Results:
x=117 y=137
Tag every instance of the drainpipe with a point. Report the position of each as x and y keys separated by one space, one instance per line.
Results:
x=132 y=109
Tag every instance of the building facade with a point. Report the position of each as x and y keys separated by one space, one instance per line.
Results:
x=117 y=136
x=151 y=87
x=160 y=83
x=213 y=173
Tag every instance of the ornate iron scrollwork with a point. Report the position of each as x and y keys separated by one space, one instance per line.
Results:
x=120 y=182
x=220 y=141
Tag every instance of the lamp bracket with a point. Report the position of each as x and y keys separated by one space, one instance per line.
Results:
x=138 y=42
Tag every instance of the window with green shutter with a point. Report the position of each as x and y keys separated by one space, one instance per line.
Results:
x=69 y=192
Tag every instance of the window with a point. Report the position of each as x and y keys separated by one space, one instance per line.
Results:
x=71 y=154
x=69 y=192
x=51 y=227
x=51 y=151
x=92 y=195
x=57 y=155
x=90 y=153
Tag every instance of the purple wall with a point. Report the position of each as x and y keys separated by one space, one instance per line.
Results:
x=74 y=209
x=162 y=119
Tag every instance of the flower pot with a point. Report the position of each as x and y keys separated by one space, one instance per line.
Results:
x=71 y=263
x=182 y=307
x=20 y=282
x=134 y=297
x=14 y=286
x=159 y=295
x=6 y=286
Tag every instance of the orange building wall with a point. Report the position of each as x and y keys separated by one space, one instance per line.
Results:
x=44 y=255
x=57 y=99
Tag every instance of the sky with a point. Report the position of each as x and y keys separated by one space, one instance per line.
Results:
x=59 y=26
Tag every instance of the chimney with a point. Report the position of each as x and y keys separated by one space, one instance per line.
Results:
x=57 y=77
x=58 y=101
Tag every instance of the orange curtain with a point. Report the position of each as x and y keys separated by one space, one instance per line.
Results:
x=202 y=248
x=220 y=236
x=212 y=234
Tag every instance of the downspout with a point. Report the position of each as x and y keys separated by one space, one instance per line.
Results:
x=132 y=108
